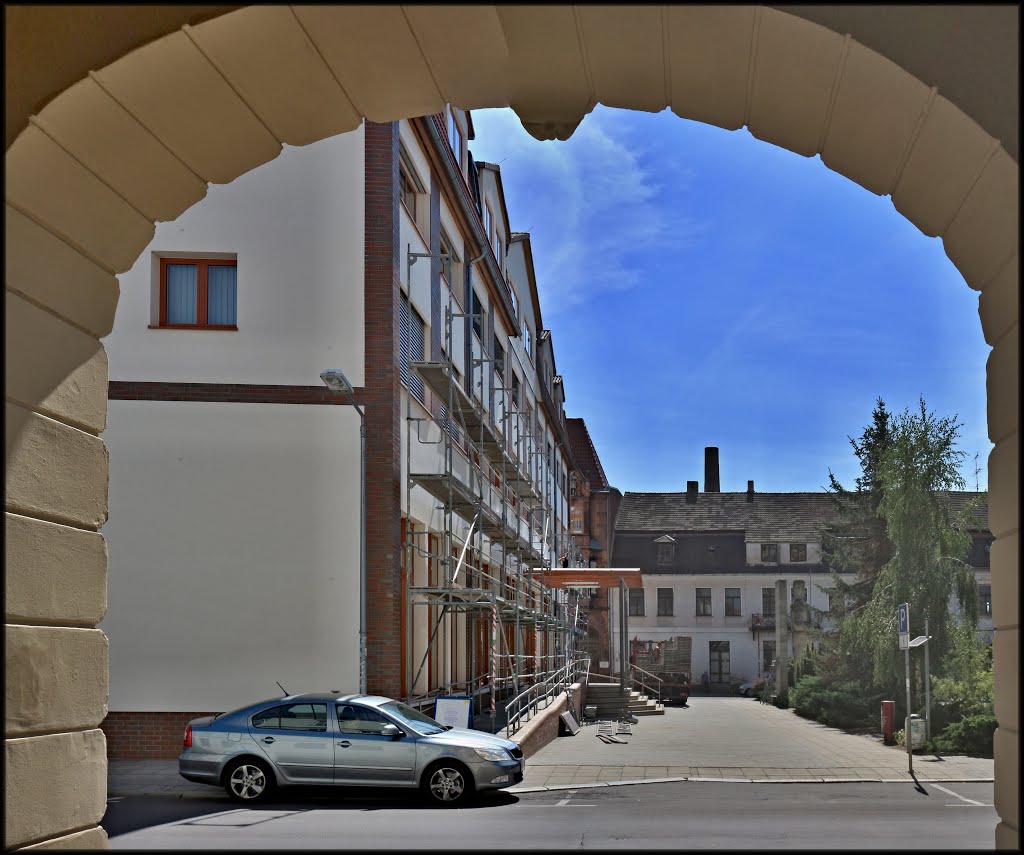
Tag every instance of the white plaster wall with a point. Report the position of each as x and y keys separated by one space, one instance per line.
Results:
x=813 y=553
x=296 y=225
x=743 y=645
x=233 y=552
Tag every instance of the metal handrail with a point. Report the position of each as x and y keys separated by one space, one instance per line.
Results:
x=527 y=703
x=637 y=681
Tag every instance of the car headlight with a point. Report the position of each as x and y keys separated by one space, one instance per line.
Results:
x=494 y=754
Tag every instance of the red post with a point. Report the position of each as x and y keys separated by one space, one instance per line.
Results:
x=888 y=721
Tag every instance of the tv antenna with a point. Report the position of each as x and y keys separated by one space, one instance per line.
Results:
x=976 y=470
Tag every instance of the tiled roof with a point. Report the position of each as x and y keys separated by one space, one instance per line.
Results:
x=771 y=516
x=585 y=454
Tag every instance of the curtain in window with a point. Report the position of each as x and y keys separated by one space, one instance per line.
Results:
x=221 y=291
x=182 y=284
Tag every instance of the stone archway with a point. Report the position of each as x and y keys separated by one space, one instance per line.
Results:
x=139 y=140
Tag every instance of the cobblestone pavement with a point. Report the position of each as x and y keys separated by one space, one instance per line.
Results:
x=715 y=738
x=724 y=738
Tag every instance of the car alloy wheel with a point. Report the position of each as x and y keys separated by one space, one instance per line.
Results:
x=248 y=782
x=448 y=784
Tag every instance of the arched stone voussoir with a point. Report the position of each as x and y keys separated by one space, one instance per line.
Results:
x=473 y=73
x=876 y=110
x=625 y=55
x=112 y=144
x=792 y=81
x=374 y=55
x=170 y=87
x=985 y=233
x=51 y=187
x=709 y=55
x=267 y=57
x=948 y=154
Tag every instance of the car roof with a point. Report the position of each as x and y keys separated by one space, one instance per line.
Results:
x=370 y=700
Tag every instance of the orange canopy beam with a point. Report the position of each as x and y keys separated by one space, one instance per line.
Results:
x=592 y=577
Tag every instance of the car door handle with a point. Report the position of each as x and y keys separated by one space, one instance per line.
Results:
x=268 y=739
x=344 y=744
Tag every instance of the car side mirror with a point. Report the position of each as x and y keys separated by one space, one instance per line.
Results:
x=391 y=730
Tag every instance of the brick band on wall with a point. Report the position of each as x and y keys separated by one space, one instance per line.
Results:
x=248 y=393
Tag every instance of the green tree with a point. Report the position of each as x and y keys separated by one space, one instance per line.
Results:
x=855 y=543
x=927 y=568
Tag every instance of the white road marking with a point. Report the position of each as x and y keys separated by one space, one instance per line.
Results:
x=958 y=796
x=565 y=801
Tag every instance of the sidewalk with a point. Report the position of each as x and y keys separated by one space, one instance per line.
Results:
x=714 y=739
x=735 y=739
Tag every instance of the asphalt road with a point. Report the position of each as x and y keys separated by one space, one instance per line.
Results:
x=690 y=815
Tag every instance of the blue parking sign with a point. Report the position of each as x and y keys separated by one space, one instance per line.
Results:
x=903 y=618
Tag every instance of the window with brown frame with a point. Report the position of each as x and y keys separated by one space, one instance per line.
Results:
x=412 y=192
x=455 y=135
x=769 y=553
x=198 y=293
x=448 y=248
x=798 y=552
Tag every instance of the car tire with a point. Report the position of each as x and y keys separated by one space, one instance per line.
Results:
x=248 y=781
x=447 y=783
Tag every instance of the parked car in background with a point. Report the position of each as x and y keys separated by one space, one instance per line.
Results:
x=329 y=738
x=675 y=687
x=746 y=689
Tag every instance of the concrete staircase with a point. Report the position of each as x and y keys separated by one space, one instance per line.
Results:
x=612 y=702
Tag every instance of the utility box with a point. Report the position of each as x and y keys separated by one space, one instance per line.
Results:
x=888 y=721
x=916 y=731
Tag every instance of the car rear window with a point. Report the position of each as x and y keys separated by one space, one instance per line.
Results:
x=304 y=716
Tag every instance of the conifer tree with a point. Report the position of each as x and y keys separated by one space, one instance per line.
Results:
x=931 y=541
x=855 y=543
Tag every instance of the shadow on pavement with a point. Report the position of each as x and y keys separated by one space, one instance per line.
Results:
x=132 y=813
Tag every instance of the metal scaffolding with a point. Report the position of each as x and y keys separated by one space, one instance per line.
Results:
x=481 y=597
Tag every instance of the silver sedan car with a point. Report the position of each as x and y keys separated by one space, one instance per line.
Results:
x=328 y=738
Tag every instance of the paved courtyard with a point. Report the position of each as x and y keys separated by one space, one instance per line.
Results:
x=716 y=739
x=736 y=739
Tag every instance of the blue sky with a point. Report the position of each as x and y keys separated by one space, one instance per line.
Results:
x=705 y=288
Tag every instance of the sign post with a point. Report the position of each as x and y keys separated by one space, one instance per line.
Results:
x=903 y=627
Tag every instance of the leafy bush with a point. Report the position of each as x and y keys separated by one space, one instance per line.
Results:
x=847 y=706
x=808 y=697
x=782 y=700
x=971 y=735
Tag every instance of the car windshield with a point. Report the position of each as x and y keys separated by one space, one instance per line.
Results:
x=414 y=718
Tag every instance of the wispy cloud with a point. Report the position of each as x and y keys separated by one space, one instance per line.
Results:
x=595 y=205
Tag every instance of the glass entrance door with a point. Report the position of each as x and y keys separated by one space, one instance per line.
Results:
x=719 y=658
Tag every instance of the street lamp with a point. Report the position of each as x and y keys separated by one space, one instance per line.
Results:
x=917 y=642
x=336 y=381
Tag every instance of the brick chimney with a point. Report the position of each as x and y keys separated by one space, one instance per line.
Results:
x=711 y=483
x=750 y=491
x=691 y=492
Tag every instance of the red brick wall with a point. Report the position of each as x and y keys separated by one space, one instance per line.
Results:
x=382 y=266
x=146 y=735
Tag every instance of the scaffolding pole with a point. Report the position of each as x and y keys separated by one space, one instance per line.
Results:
x=488 y=477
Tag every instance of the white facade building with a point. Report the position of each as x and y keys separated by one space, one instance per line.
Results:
x=234 y=539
